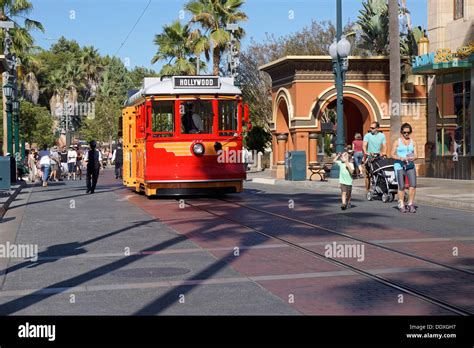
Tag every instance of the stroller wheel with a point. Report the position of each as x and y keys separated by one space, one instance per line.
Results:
x=370 y=196
x=391 y=197
x=385 y=198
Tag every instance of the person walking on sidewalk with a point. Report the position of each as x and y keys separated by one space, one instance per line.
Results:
x=375 y=143
x=117 y=157
x=32 y=166
x=358 y=148
x=92 y=159
x=71 y=163
x=45 y=164
x=405 y=153
x=79 y=162
x=346 y=169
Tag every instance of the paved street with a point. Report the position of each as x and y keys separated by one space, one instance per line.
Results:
x=116 y=252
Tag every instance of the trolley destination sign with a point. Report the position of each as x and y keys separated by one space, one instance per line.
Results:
x=196 y=82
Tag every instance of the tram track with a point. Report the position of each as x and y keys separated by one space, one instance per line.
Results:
x=390 y=283
x=342 y=234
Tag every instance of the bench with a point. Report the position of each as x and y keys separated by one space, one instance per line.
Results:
x=321 y=169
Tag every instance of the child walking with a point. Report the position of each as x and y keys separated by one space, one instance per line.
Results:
x=346 y=169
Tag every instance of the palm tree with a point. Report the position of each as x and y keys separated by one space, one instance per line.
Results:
x=373 y=22
x=174 y=47
x=14 y=10
x=213 y=16
x=395 y=69
x=92 y=68
x=56 y=87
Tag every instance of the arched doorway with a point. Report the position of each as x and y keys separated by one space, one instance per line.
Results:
x=283 y=122
x=357 y=117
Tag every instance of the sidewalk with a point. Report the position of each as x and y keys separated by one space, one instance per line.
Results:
x=445 y=193
x=8 y=196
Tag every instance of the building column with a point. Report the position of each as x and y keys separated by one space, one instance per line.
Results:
x=313 y=147
x=282 y=139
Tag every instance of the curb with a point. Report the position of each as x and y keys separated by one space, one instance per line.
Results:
x=13 y=193
x=430 y=201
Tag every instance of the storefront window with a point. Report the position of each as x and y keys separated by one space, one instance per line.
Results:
x=458 y=9
x=454 y=114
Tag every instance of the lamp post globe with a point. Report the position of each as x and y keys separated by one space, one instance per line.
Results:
x=333 y=51
x=343 y=48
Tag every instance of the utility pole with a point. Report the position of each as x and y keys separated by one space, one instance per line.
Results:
x=395 y=70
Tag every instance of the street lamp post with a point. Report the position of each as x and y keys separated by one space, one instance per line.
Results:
x=7 y=93
x=16 y=125
x=339 y=51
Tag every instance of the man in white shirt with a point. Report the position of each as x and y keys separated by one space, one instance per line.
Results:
x=71 y=163
x=45 y=163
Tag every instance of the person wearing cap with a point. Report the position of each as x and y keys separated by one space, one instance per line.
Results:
x=92 y=158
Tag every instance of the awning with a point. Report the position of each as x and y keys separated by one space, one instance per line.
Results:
x=444 y=68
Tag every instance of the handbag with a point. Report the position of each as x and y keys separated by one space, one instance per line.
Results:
x=408 y=166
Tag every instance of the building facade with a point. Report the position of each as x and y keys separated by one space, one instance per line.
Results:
x=304 y=97
x=448 y=67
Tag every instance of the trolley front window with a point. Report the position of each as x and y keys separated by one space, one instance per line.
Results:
x=162 y=119
x=197 y=116
x=228 y=117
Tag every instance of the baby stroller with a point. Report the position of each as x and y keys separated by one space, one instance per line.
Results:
x=382 y=178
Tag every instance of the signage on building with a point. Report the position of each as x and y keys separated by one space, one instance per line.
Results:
x=196 y=82
x=444 y=55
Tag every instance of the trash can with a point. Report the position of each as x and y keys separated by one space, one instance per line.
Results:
x=12 y=170
x=295 y=165
x=5 y=173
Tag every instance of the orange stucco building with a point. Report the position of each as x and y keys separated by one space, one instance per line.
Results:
x=303 y=89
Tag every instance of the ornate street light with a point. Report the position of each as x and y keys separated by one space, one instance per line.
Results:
x=16 y=125
x=339 y=51
x=8 y=93
x=8 y=90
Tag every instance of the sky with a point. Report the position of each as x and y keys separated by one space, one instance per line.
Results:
x=105 y=24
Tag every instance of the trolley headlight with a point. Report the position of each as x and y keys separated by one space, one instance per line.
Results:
x=198 y=149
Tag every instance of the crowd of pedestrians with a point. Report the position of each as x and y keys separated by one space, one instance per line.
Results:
x=355 y=160
x=65 y=164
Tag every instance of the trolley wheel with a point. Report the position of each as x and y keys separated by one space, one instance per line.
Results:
x=391 y=197
x=370 y=196
x=385 y=198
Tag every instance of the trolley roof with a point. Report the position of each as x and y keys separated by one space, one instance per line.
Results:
x=185 y=85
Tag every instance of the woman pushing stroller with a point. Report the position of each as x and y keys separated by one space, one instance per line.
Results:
x=405 y=153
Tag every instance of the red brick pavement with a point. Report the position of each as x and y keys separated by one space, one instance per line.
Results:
x=285 y=271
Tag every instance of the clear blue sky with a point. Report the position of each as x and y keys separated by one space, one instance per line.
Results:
x=105 y=23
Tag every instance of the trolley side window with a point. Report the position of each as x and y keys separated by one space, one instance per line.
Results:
x=197 y=116
x=162 y=119
x=228 y=117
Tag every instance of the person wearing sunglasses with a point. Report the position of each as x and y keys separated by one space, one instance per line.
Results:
x=374 y=144
x=405 y=153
